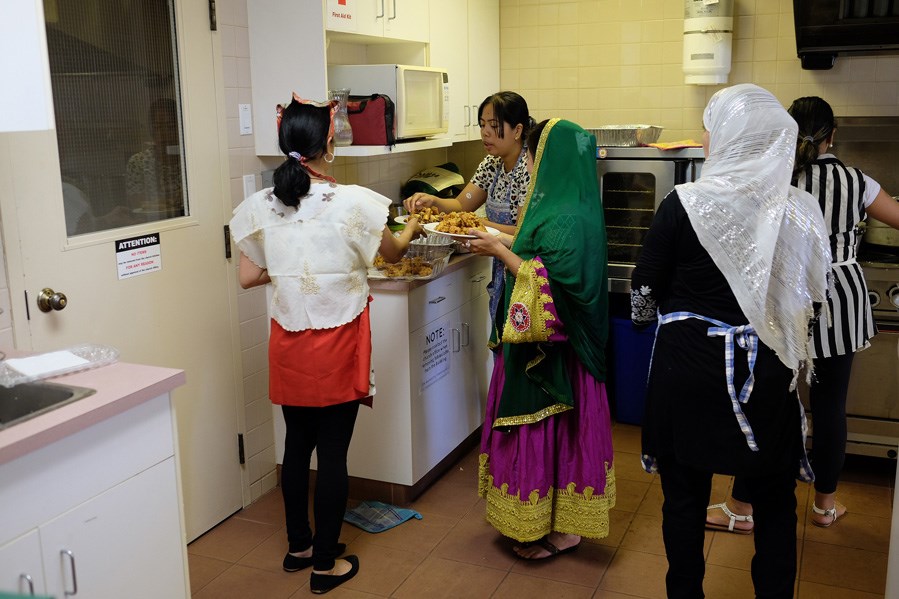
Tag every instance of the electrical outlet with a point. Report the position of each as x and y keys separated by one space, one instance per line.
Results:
x=249 y=185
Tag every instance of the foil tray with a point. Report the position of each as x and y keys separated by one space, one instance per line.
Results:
x=626 y=135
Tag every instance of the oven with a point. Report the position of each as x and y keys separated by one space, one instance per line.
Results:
x=632 y=184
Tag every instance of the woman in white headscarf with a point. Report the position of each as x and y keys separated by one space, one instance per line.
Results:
x=732 y=268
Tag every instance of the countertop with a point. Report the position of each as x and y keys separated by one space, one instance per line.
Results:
x=456 y=262
x=119 y=387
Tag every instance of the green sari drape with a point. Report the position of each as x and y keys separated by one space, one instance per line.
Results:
x=561 y=223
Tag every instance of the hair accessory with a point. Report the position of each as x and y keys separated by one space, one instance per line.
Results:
x=809 y=139
x=298 y=157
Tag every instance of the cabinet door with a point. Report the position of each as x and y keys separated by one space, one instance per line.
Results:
x=371 y=16
x=449 y=50
x=20 y=560
x=483 y=56
x=406 y=20
x=478 y=359
x=439 y=391
x=125 y=542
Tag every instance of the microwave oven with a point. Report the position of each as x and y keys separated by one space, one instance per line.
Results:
x=420 y=94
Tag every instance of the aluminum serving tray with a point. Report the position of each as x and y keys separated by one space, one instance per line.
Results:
x=626 y=135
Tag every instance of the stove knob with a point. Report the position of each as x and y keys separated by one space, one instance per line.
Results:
x=874 y=298
x=894 y=296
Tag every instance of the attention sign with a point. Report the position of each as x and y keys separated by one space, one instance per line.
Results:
x=138 y=255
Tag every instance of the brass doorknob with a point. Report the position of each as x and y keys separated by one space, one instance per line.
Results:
x=50 y=300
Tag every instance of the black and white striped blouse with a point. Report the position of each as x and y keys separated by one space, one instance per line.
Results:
x=843 y=194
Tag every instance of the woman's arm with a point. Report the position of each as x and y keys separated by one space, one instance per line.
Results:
x=251 y=275
x=392 y=248
x=490 y=245
x=471 y=198
x=885 y=209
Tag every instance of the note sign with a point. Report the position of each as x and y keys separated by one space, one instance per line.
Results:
x=138 y=255
x=435 y=353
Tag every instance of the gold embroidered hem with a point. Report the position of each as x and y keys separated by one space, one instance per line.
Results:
x=527 y=315
x=531 y=418
x=560 y=510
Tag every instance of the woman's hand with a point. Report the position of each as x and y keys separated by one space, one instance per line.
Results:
x=414 y=227
x=486 y=244
x=417 y=201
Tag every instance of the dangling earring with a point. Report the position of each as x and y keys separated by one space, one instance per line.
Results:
x=328 y=160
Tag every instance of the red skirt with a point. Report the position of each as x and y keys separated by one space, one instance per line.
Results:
x=320 y=367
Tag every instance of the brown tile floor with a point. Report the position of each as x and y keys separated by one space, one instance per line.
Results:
x=452 y=552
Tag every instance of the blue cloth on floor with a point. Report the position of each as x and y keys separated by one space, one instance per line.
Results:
x=374 y=516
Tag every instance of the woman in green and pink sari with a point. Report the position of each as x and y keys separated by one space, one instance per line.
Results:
x=546 y=450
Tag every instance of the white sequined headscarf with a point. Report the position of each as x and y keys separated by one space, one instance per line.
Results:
x=767 y=238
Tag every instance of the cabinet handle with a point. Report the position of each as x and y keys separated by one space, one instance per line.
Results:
x=466 y=334
x=436 y=300
x=29 y=581
x=394 y=12
x=478 y=278
x=467 y=115
x=381 y=16
x=456 y=340
x=71 y=556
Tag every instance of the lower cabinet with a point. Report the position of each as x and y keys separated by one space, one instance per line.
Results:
x=431 y=367
x=98 y=528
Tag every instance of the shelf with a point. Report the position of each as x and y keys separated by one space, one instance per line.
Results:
x=407 y=146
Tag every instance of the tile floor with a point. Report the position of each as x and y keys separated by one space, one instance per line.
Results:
x=452 y=552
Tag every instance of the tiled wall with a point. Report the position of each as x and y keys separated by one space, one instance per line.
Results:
x=593 y=61
x=601 y=62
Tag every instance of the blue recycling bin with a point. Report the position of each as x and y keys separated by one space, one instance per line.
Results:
x=630 y=350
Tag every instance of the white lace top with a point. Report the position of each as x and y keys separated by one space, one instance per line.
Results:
x=317 y=254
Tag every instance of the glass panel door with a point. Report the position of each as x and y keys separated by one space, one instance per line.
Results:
x=114 y=71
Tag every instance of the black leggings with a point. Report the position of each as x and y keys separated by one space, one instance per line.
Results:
x=827 y=397
x=328 y=430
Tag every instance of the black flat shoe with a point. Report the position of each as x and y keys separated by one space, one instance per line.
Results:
x=293 y=563
x=322 y=583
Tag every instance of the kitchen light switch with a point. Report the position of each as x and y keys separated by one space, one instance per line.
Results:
x=246 y=119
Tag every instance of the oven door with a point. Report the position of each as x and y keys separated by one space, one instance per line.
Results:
x=631 y=190
x=872 y=402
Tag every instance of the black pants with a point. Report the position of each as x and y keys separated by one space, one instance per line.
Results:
x=686 y=492
x=328 y=430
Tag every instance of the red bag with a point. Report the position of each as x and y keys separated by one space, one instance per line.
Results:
x=371 y=118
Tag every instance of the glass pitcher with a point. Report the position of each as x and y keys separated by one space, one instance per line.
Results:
x=343 y=133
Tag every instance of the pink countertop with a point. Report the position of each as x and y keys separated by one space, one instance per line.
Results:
x=119 y=386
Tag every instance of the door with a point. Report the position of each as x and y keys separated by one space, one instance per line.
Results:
x=21 y=569
x=178 y=314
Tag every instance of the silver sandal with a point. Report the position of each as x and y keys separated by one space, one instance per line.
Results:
x=733 y=519
x=828 y=513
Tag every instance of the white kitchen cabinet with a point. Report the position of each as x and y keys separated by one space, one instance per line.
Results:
x=396 y=19
x=465 y=41
x=289 y=43
x=430 y=355
x=99 y=508
x=21 y=569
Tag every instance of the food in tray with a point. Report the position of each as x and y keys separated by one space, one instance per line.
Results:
x=459 y=223
x=416 y=266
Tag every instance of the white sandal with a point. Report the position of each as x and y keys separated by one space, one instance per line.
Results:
x=828 y=513
x=732 y=520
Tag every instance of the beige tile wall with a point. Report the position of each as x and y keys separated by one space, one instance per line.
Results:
x=593 y=61
x=601 y=62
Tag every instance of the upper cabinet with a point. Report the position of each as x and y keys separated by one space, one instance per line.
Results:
x=292 y=42
x=395 y=19
x=465 y=41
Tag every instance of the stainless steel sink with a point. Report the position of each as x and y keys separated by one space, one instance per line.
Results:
x=28 y=400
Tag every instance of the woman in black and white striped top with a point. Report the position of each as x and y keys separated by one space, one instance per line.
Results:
x=846 y=196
